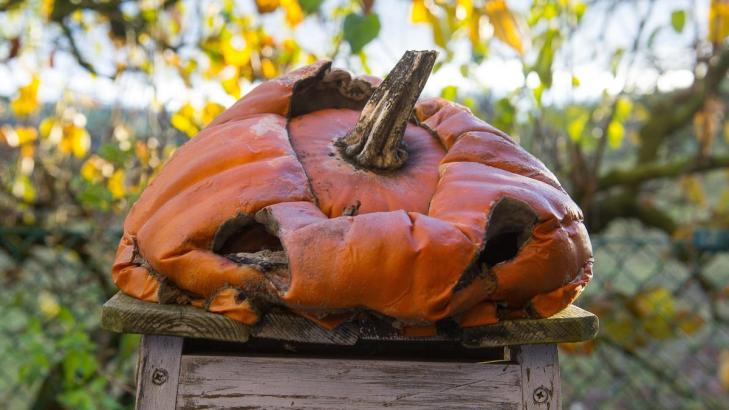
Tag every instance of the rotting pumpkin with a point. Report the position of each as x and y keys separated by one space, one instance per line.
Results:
x=331 y=195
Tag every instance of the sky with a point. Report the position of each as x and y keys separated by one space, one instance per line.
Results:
x=500 y=74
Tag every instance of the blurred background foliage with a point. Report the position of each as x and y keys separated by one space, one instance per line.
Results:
x=624 y=100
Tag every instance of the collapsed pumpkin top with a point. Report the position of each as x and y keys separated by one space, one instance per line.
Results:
x=317 y=193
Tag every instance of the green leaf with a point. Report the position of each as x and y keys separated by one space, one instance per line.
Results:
x=310 y=6
x=449 y=92
x=504 y=115
x=615 y=60
x=543 y=65
x=359 y=30
x=577 y=118
x=678 y=20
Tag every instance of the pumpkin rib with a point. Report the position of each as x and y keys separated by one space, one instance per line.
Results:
x=301 y=237
x=451 y=121
x=337 y=184
x=485 y=189
x=134 y=280
x=190 y=167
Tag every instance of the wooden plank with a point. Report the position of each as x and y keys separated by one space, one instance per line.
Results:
x=540 y=377
x=158 y=372
x=294 y=328
x=288 y=382
x=125 y=314
x=573 y=324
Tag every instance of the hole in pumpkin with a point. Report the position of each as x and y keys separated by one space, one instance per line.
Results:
x=243 y=234
x=500 y=248
x=248 y=243
x=510 y=226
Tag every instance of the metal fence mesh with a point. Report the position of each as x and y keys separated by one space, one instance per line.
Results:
x=663 y=331
x=662 y=342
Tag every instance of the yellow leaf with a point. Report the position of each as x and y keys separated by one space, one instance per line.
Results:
x=183 y=120
x=722 y=206
x=653 y=302
x=419 y=12
x=23 y=188
x=116 y=184
x=235 y=55
x=718 y=20
x=210 y=111
x=46 y=8
x=575 y=81
x=474 y=31
x=505 y=25
x=26 y=103
x=290 y=45
x=268 y=69
x=294 y=14
x=90 y=171
x=689 y=322
x=46 y=126
x=724 y=369
x=141 y=149
x=693 y=189
x=615 y=131
x=267 y=6
x=26 y=135
x=80 y=141
x=48 y=304
x=231 y=86
x=27 y=151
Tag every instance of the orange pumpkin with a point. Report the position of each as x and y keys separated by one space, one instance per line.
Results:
x=329 y=195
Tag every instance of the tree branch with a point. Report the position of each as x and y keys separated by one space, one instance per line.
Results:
x=650 y=171
x=678 y=108
x=602 y=142
x=627 y=205
x=75 y=50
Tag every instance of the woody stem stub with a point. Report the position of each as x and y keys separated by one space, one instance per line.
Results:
x=376 y=143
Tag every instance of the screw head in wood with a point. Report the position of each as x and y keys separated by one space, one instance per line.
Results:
x=159 y=376
x=541 y=394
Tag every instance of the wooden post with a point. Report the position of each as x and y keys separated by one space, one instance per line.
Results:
x=158 y=373
x=540 y=377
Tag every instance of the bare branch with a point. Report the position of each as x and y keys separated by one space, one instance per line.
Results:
x=650 y=171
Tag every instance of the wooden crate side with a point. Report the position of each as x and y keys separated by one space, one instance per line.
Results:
x=281 y=382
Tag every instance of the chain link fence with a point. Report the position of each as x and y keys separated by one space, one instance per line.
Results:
x=664 y=333
x=663 y=340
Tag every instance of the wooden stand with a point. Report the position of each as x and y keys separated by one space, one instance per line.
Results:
x=191 y=359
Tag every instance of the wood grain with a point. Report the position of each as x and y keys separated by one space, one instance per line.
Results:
x=158 y=372
x=286 y=382
x=540 y=377
x=125 y=314
x=573 y=324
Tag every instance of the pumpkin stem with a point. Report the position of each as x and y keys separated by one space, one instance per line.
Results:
x=376 y=141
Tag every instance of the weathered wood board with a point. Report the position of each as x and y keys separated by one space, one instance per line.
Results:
x=540 y=377
x=128 y=315
x=283 y=382
x=158 y=372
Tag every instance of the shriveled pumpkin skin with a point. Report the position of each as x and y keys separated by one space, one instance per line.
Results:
x=472 y=227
